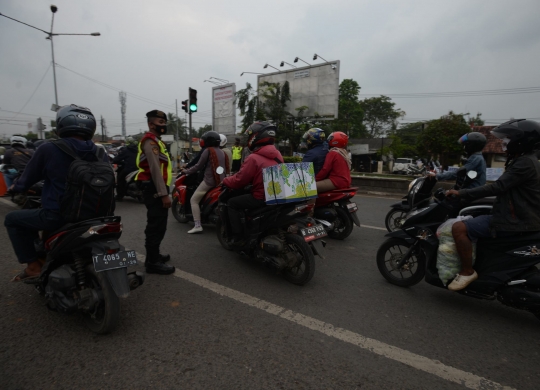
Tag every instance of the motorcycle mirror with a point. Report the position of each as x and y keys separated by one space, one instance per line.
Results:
x=220 y=170
x=472 y=174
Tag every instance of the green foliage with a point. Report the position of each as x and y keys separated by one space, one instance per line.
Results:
x=476 y=121
x=202 y=130
x=380 y=115
x=248 y=103
x=292 y=159
x=174 y=123
x=350 y=113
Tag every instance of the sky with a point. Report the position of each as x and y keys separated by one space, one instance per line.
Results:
x=155 y=50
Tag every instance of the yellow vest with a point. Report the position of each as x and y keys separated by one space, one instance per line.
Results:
x=237 y=152
x=164 y=160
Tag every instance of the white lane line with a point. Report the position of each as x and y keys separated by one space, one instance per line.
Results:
x=372 y=227
x=419 y=362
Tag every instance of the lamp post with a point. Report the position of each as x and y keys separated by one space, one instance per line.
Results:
x=298 y=58
x=315 y=56
x=50 y=36
x=266 y=66
x=241 y=74
x=284 y=62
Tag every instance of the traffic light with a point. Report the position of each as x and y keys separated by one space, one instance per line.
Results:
x=185 y=105
x=192 y=100
x=40 y=124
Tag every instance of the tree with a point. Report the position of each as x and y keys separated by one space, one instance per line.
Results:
x=248 y=103
x=476 y=121
x=202 y=130
x=404 y=140
x=350 y=113
x=175 y=123
x=380 y=116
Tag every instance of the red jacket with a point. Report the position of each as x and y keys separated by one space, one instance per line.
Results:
x=251 y=171
x=336 y=169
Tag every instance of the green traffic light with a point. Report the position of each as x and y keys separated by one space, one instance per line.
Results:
x=193 y=107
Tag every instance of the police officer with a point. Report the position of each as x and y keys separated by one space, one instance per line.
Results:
x=154 y=177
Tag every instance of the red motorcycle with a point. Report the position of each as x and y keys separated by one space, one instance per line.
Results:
x=184 y=188
x=335 y=211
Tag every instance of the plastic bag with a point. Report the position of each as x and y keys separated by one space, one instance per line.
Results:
x=448 y=261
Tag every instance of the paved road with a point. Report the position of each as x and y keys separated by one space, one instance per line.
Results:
x=225 y=322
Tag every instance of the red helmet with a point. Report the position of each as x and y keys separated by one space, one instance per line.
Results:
x=338 y=139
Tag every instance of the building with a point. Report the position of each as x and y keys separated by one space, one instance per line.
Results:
x=493 y=153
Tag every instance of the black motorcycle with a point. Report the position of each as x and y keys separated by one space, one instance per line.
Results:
x=506 y=266
x=85 y=270
x=281 y=236
x=132 y=189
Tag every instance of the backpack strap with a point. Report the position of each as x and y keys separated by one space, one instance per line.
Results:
x=23 y=152
x=64 y=147
x=100 y=152
x=278 y=160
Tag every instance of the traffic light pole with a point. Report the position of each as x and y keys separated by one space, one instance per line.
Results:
x=190 y=138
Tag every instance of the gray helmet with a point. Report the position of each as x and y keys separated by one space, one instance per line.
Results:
x=74 y=120
x=473 y=142
x=523 y=135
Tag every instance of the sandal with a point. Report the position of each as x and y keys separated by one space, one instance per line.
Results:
x=23 y=276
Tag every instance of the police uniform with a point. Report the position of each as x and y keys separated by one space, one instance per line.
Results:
x=154 y=178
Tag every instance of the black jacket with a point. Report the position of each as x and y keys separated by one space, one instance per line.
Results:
x=517 y=208
x=127 y=158
x=18 y=157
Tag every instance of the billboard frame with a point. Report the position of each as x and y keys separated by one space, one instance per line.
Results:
x=233 y=85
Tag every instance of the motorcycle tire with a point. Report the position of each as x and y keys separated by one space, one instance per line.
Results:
x=177 y=211
x=416 y=263
x=106 y=316
x=390 y=220
x=344 y=228
x=303 y=272
x=220 y=230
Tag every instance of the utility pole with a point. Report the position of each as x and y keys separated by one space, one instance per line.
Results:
x=122 y=99
x=177 y=137
x=103 y=130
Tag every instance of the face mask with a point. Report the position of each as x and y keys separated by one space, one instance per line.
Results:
x=161 y=129
x=505 y=143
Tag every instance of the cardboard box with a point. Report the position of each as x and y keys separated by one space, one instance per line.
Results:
x=290 y=182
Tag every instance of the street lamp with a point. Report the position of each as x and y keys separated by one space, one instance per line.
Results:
x=315 y=56
x=266 y=66
x=249 y=73
x=50 y=36
x=221 y=80
x=283 y=63
x=298 y=58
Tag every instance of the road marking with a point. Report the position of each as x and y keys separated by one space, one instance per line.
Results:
x=372 y=227
x=7 y=202
x=419 y=362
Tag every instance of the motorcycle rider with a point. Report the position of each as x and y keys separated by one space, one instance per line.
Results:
x=472 y=143
x=127 y=163
x=517 y=207
x=227 y=151
x=261 y=138
x=315 y=140
x=212 y=158
x=76 y=126
x=336 y=171
x=18 y=156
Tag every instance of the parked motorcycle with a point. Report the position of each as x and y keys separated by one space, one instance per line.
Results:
x=335 y=211
x=281 y=236
x=184 y=188
x=86 y=271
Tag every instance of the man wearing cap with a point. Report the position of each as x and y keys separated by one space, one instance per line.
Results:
x=154 y=177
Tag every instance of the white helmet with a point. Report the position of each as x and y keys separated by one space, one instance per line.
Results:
x=17 y=139
x=223 y=141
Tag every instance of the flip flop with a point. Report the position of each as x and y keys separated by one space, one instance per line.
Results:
x=23 y=276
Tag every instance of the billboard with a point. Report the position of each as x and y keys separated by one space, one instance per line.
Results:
x=224 y=109
x=315 y=86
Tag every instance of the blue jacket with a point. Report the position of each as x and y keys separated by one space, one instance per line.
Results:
x=316 y=155
x=51 y=164
x=476 y=163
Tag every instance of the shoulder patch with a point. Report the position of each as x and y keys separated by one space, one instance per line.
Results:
x=155 y=150
x=152 y=143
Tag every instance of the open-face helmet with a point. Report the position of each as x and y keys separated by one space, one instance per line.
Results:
x=74 y=120
x=518 y=135
x=18 y=140
x=259 y=134
x=209 y=139
x=338 y=139
x=314 y=136
x=223 y=141
x=473 y=142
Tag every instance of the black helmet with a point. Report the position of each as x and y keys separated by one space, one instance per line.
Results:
x=473 y=142
x=74 y=120
x=209 y=139
x=521 y=135
x=260 y=134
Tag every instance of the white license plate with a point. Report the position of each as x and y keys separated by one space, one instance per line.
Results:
x=352 y=207
x=313 y=233
x=122 y=259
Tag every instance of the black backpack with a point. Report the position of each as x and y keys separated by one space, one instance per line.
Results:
x=89 y=187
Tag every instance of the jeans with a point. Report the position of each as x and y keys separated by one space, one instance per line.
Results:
x=9 y=177
x=23 y=227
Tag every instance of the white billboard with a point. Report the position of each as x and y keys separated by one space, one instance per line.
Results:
x=315 y=86
x=224 y=109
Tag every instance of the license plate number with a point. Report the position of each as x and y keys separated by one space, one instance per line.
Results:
x=313 y=233
x=104 y=262
x=352 y=207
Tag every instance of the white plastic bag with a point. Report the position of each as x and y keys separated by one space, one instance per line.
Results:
x=448 y=261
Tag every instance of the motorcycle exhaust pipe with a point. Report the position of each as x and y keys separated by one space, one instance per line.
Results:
x=328 y=226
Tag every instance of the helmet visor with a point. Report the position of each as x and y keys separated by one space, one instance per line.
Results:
x=463 y=139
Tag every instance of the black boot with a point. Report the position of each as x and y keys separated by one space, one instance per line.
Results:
x=155 y=265
x=165 y=258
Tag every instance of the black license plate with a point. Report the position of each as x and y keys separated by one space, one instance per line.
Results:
x=352 y=207
x=313 y=233
x=122 y=259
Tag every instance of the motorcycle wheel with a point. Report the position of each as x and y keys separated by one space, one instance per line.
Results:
x=305 y=268
x=178 y=211
x=390 y=253
x=343 y=225
x=106 y=316
x=394 y=219
x=220 y=230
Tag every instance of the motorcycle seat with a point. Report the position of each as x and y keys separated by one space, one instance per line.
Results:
x=483 y=201
x=259 y=211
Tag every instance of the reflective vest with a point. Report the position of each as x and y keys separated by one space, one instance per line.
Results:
x=164 y=160
x=237 y=152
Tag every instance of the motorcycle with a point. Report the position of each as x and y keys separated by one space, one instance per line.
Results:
x=132 y=189
x=506 y=265
x=335 y=211
x=184 y=188
x=281 y=236
x=85 y=270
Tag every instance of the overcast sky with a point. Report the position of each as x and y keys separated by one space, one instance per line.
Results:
x=157 y=49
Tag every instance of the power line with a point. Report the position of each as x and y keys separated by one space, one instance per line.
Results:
x=485 y=92
x=35 y=90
